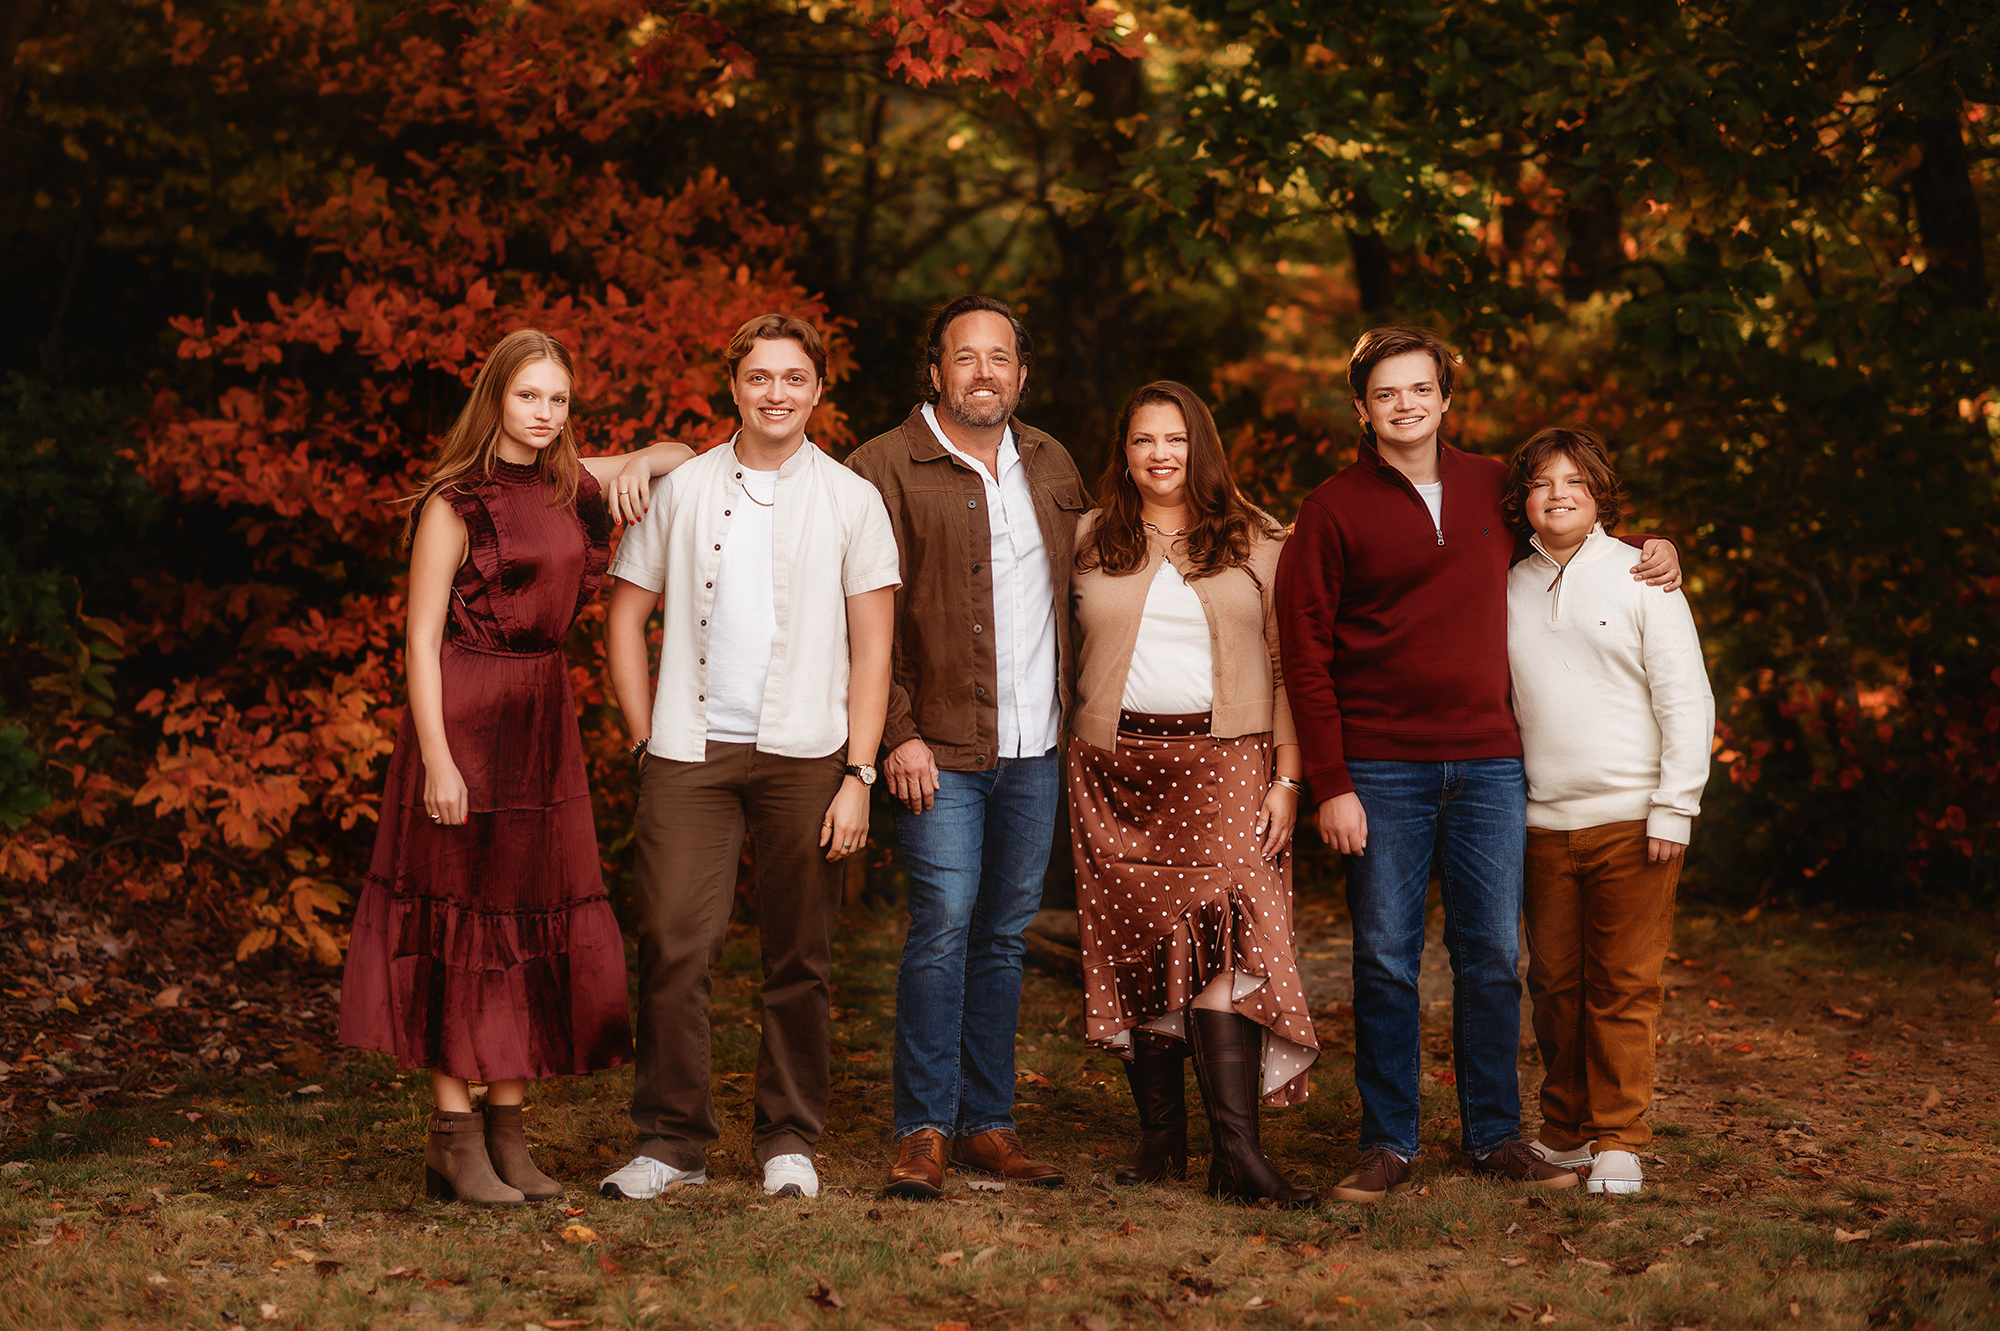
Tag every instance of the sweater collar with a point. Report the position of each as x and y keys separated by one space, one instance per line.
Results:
x=1597 y=545
x=1372 y=455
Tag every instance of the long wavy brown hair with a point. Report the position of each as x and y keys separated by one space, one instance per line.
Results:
x=471 y=446
x=1222 y=524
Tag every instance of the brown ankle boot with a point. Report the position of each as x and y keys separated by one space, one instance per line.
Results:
x=455 y=1163
x=1160 y=1094
x=507 y=1148
x=1228 y=1058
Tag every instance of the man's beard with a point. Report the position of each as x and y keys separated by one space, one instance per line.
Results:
x=962 y=410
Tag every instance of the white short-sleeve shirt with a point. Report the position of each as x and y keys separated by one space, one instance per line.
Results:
x=829 y=539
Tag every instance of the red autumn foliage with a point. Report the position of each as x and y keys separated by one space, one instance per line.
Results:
x=482 y=205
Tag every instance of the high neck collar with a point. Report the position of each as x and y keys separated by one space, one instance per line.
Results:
x=516 y=473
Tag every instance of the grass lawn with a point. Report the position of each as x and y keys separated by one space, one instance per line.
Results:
x=1829 y=1140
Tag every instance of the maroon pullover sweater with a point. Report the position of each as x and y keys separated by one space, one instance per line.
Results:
x=1393 y=631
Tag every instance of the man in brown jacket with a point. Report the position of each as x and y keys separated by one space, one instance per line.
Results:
x=985 y=510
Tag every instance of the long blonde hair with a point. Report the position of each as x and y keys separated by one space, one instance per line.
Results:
x=470 y=447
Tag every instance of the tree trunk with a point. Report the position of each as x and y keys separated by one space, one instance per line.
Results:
x=1948 y=213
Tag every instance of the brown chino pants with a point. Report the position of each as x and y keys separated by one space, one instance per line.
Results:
x=691 y=820
x=1599 y=920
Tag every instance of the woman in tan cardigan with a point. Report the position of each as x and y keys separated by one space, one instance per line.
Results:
x=1183 y=787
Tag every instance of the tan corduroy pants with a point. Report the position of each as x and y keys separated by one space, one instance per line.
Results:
x=1599 y=920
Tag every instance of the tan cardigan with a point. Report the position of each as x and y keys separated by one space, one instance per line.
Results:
x=1243 y=633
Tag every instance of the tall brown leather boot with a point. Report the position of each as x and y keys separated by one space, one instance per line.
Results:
x=455 y=1164
x=1160 y=1094
x=507 y=1148
x=1228 y=1061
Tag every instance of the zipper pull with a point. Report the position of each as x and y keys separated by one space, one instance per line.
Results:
x=1440 y=532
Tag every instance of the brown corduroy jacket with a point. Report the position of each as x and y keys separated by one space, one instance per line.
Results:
x=944 y=681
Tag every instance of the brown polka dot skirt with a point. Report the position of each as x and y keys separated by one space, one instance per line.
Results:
x=1171 y=892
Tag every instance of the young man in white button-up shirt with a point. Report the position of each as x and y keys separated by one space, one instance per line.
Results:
x=778 y=570
x=985 y=513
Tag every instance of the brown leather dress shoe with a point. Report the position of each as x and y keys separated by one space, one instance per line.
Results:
x=1517 y=1162
x=999 y=1152
x=1378 y=1171
x=919 y=1169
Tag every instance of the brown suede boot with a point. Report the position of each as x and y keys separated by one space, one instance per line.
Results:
x=507 y=1148
x=455 y=1163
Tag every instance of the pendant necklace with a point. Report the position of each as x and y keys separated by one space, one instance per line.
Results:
x=1157 y=532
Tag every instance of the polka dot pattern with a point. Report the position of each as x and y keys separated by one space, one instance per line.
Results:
x=1171 y=892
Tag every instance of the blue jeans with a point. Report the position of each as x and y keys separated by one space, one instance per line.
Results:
x=1471 y=818
x=976 y=861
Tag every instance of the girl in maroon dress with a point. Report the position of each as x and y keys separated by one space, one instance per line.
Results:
x=484 y=947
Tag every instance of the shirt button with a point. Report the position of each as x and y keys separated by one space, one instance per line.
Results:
x=704 y=623
x=725 y=512
x=980 y=691
x=975 y=568
x=711 y=587
x=972 y=503
x=977 y=629
x=718 y=547
x=701 y=697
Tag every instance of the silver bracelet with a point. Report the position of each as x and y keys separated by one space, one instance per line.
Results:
x=1290 y=783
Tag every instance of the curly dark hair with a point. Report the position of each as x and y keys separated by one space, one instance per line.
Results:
x=1591 y=458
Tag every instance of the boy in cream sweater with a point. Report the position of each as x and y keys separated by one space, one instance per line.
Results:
x=1616 y=721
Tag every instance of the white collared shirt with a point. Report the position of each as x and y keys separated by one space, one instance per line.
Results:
x=1024 y=602
x=830 y=539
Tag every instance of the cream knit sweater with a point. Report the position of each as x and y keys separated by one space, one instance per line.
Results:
x=1610 y=691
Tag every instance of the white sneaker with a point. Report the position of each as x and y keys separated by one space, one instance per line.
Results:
x=645 y=1178
x=790 y=1176
x=1616 y=1172
x=1575 y=1158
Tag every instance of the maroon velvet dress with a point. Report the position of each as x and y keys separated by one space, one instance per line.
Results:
x=488 y=950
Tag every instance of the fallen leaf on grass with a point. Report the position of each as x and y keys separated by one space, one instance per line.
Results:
x=983 y=1256
x=305 y=1254
x=578 y=1234
x=1567 y=1246
x=405 y=1273
x=609 y=1267
x=268 y=1311
x=1594 y=1265
x=1517 y=1312
x=572 y=1211
x=822 y=1294
x=952 y=1258
x=60 y=1232
x=327 y=1267
x=1933 y=1099
x=1305 y=1250
x=1850 y=1235
x=1657 y=1268
x=1128 y=1229
x=1031 y=1077
x=1849 y=1013
x=1050 y=1284
x=157 y=1279
x=1792 y=1308
x=1091 y=1321
x=1258 y=1303
x=986 y=1185
x=159 y=1143
x=557 y=1323
x=1694 y=1236
x=1513 y=1261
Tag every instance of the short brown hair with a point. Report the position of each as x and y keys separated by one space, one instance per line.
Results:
x=1378 y=344
x=1590 y=457
x=950 y=313
x=769 y=328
